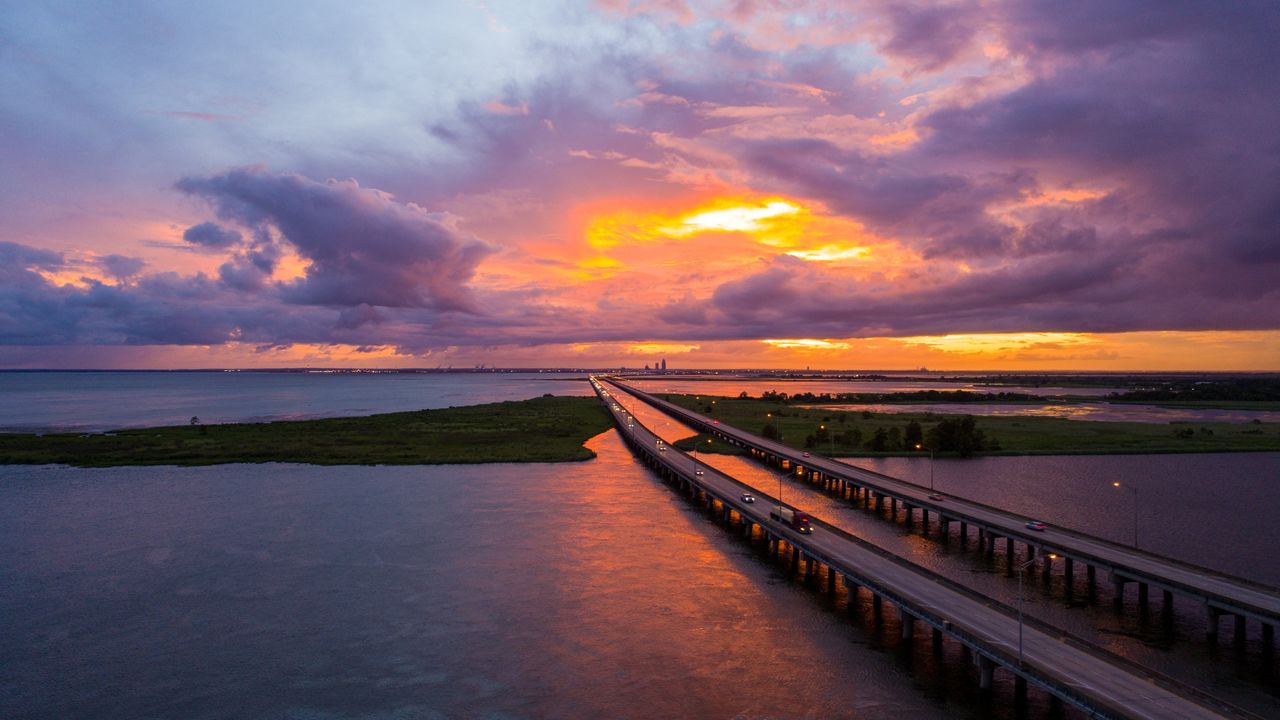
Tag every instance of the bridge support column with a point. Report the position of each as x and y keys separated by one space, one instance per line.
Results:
x=808 y=570
x=1068 y=570
x=879 y=503
x=937 y=641
x=964 y=533
x=1091 y=580
x=795 y=560
x=1268 y=638
x=986 y=672
x=1031 y=551
x=831 y=580
x=851 y=594
x=909 y=512
x=1047 y=572
x=893 y=508
x=924 y=521
x=991 y=545
x=1211 y=616
x=1240 y=637
x=1008 y=553
x=1142 y=597
x=908 y=624
x=1019 y=691
x=1118 y=600
x=876 y=604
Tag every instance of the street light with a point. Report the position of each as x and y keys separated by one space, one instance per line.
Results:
x=1022 y=571
x=922 y=447
x=830 y=434
x=1134 y=490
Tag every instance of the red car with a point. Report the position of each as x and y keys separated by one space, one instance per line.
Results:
x=1036 y=525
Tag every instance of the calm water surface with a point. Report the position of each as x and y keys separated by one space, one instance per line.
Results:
x=497 y=591
x=34 y=401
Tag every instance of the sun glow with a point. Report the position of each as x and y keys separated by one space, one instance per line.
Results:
x=998 y=342
x=806 y=344
x=739 y=218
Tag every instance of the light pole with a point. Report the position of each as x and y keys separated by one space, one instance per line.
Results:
x=922 y=447
x=1134 y=490
x=831 y=435
x=1022 y=571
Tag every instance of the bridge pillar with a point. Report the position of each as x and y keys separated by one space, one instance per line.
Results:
x=728 y=514
x=908 y=510
x=1239 y=639
x=1008 y=553
x=879 y=503
x=986 y=672
x=1118 y=600
x=1068 y=568
x=808 y=570
x=908 y=624
x=795 y=559
x=924 y=520
x=1031 y=551
x=937 y=641
x=1019 y=691
x=1091 y=579
x=1268 y=638
x=991 y=544
x=773 y=547
x=1211 y=616
x=831 y=580
x=1046 y=573
x=944 y=527
x=893 y=508
x=964 y=533
x=1166 y=602
x=1142 y=597
x=851 y=594
x=876 y=603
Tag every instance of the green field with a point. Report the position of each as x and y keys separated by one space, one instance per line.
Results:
x=1013 y=435
x=545 y=429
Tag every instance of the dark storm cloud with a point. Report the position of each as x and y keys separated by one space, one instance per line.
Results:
x=364 y=247
x=211 y=235
x=1168 y=108
x=121 y=267
x=928 y=34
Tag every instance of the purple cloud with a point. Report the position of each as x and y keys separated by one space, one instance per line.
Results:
x=364 y=247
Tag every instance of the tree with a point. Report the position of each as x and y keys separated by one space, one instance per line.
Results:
x=895 y=439
x=958 y=435
x=880 y=441
x=850 y=438
x=770 y=432
x=913 y=435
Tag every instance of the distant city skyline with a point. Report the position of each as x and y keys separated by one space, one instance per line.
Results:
x=835 y=185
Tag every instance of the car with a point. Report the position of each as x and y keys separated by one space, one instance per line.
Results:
x=936 y=496
x=748 y=498
x=715 y=422
x=806 y=454
x=698 y=472
x=662 y=448
x=1036 y=525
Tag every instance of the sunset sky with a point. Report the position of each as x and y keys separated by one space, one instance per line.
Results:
x=1091 y=185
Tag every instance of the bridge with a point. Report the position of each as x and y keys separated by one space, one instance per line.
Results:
x=1220 y=594
x=992 y=634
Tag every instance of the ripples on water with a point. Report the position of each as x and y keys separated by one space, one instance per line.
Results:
x=538 y=591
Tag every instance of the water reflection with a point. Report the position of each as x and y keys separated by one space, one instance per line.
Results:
x=573 y=590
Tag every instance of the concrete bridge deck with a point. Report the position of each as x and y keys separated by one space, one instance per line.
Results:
x=1097 y=682
x=1219 y=593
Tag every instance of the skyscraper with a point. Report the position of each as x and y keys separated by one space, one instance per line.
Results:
x=664 y=364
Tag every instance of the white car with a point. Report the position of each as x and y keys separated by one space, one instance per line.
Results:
x=698 y=472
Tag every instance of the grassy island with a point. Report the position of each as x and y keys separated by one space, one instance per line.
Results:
x=545 y=429
x=854 y=433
